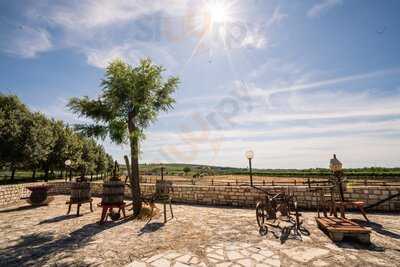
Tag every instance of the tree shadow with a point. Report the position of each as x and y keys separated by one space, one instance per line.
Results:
x=377 y=228
x=37 y=249
x=59 y=218
x=28 y=207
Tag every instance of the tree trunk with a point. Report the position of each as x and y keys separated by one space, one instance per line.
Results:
x=135 y=185
x=62 y=173
x=134 y=178
x=34 y=174
x=12 y=173
x=46 y=174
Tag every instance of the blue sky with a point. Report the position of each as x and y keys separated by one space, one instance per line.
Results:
x=295 y=81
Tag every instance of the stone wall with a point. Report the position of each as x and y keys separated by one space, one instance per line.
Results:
x=238 y=196
x=12 y=193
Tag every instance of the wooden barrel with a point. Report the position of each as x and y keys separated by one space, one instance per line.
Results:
x=113 y=192
x=80 y=192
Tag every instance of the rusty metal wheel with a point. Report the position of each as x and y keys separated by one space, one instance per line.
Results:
x=260 y=214
x=263 y=230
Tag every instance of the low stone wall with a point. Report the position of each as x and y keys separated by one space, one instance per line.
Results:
x=12 y=193
x=238 y=196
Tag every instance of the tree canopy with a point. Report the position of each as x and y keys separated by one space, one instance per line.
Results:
x=31 y=141
x=131 y=99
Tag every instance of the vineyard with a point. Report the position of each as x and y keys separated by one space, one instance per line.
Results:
x=373 y=173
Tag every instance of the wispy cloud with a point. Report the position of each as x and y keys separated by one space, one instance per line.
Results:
x=100 y=56
x=277 y=17
x=316 y=115
x=322 y=6
x=368 y=149
x=26 y=41
x=276 y=66
x=254 y=39
x=94 y=28
x=256 y=34
x=333 y=81
x=89 y=14
x=286 y=132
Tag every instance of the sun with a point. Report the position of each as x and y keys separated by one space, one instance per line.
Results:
x=218 y=12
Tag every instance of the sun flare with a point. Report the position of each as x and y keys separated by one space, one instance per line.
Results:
x=218 y=11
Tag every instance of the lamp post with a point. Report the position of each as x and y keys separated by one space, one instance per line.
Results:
x=68 y=164
x=336 y=167
x=162 y=172
x=249 y=156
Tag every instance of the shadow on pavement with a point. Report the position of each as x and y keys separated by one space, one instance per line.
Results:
x=37 y=249
x=150 y=227
x=28 y=207
x=58 y=218
x=377 y=228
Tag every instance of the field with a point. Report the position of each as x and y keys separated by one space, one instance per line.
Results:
x=204 y=170
x=231 y=180
x=215 y=175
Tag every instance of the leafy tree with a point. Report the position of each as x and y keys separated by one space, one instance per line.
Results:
x=100 y=160
x=88 y=157
x=13 y=116
x=57 y=155
x=73 y=150
x=38 y=142
x=109 y=163
x=186 y=170
x=130 y=101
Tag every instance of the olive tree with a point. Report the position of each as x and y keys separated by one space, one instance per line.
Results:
x=131 y=99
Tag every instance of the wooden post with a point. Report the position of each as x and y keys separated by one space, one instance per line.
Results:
x=251 y=173
x=164 y=204
x=128 y=167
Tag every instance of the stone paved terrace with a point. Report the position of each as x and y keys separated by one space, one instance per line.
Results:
x=198 y=236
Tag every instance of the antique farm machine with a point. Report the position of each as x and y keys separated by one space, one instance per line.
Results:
x=278 y=210
x=113 y=197
x=331 y=199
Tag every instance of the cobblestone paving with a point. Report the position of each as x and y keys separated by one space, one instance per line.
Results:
x=198 y=236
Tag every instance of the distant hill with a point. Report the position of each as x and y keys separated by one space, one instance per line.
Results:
x=197 y=169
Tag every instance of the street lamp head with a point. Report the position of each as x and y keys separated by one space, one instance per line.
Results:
x=335 y=165
x=68 y=162
x=249 y=154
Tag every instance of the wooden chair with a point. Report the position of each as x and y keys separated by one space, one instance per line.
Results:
x=342 y=204
x=325 y=200
x=162 y=194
